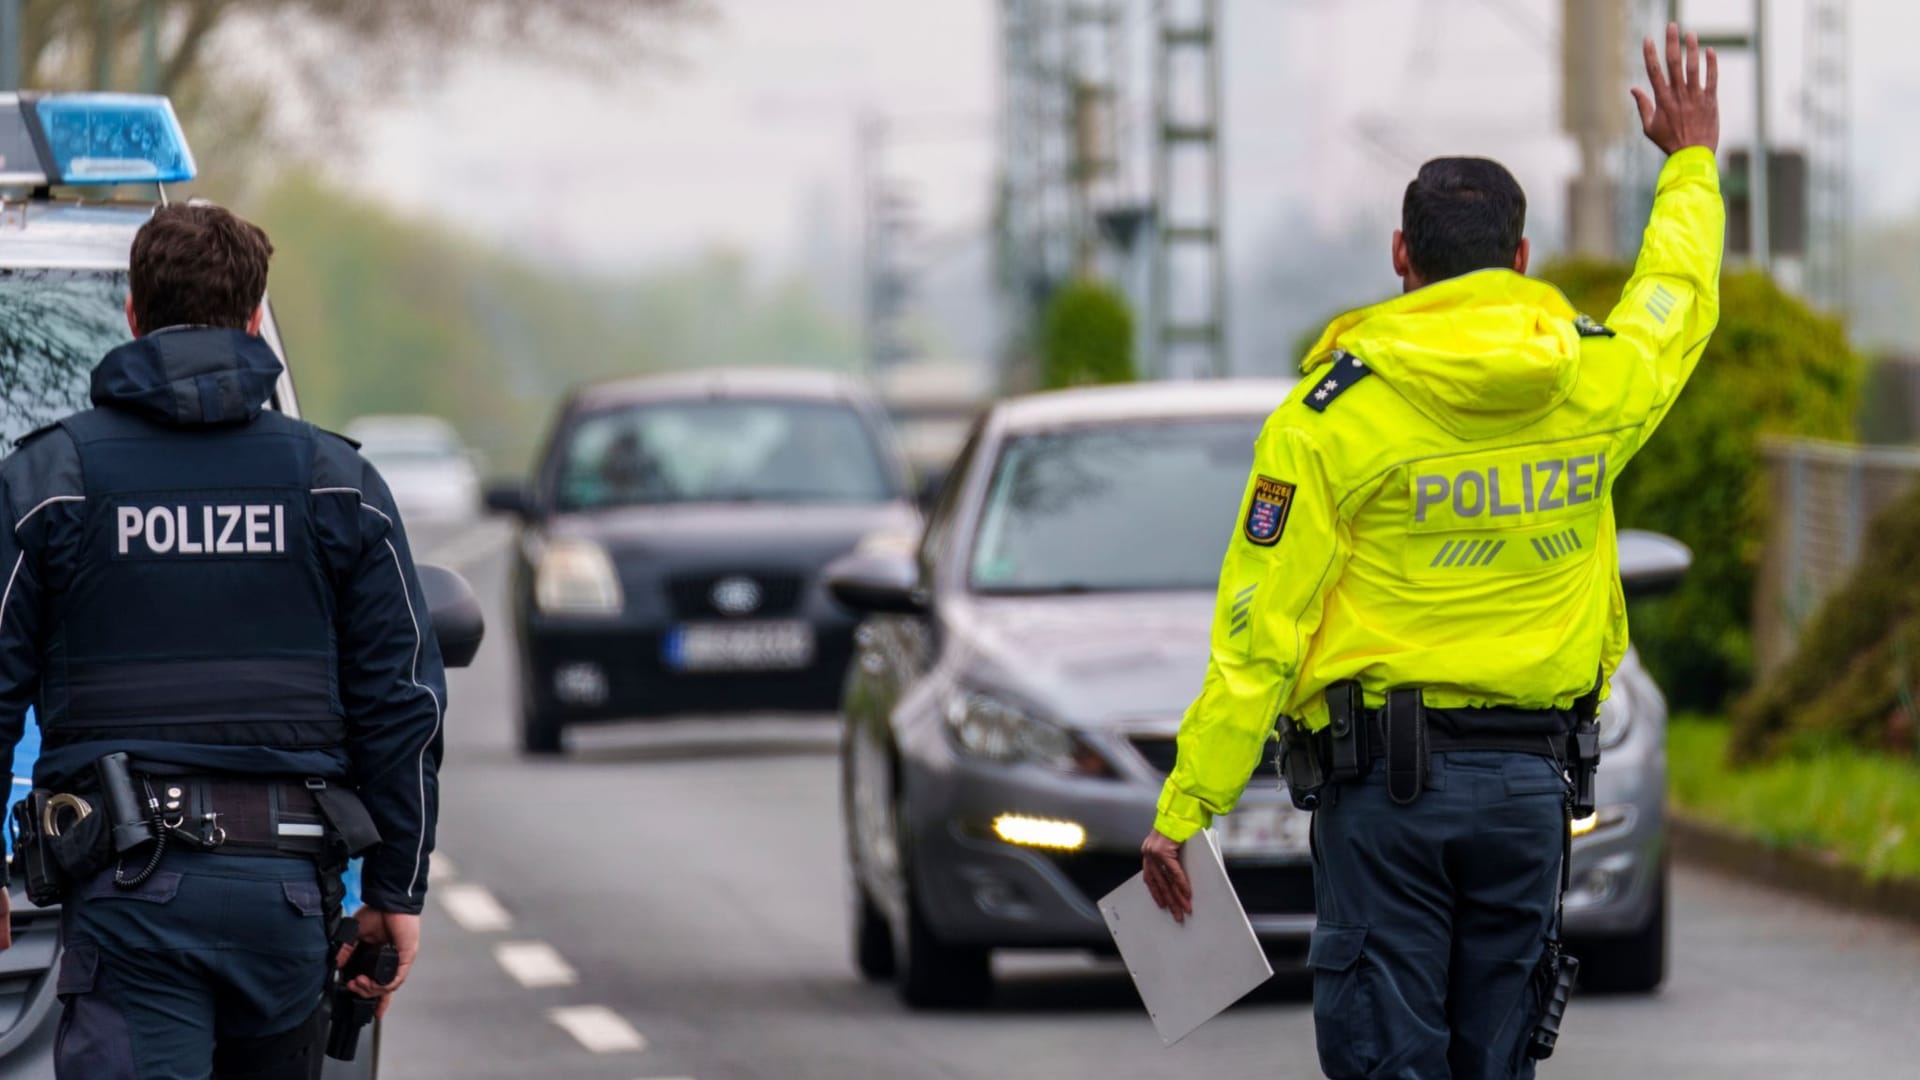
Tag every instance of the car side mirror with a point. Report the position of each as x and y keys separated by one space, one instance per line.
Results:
x=1651 y=563
x=877 y=583
x=509 y=497
x=455 y=613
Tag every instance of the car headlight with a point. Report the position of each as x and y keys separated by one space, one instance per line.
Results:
x=575 y=577
x=1616 y=718
x=991 y=728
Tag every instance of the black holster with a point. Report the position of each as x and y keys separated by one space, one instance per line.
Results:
x=1407 y=761
x=1583 y=751
x=1349 y=746
x=1302 y=766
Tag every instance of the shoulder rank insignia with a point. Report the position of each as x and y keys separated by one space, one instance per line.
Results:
x=1267 y=513
x=1346 y=370
x=1588 y=326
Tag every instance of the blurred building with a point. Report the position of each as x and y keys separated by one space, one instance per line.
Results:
x=933 y=404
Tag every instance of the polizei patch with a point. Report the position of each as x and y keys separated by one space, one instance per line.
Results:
x=1267 y=513
x=200 y=530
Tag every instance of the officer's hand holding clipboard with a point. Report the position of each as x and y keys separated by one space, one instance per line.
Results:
x=1183 y=934
x=1166 y=878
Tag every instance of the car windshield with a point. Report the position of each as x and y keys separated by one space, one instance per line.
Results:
x=385 y=448
x=722 y=451
x=55 y=325
x=1144 y=505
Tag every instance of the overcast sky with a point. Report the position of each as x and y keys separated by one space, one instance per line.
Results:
x=749 y=144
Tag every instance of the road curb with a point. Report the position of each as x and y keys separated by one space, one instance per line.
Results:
x=1810 y=873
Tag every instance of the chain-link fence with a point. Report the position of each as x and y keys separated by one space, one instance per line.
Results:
x=1824 y=495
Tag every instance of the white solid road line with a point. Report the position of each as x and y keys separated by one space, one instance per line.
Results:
x=598 y=1028
x=534 y=964
x=474 y=908
x=440 y=871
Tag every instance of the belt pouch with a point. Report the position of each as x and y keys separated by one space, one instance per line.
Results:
x=32 y=859
x=1406 y=746
x=1300 y=765
x=346 y=815
x=1348 y=751
x=81 y=848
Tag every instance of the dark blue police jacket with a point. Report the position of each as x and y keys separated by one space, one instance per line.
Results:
x=199 y=581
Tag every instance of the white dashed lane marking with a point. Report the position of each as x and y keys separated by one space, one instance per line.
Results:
x=598 y=1028
x=534 y=964
x=474 y=908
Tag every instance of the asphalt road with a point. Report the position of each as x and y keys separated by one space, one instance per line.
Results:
x=679 y=890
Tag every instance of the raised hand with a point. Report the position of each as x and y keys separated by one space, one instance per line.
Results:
x=1683 y=110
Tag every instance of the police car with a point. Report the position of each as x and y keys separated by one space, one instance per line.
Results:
x=63 y=287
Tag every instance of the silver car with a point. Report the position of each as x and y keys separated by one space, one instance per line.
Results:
x=1011 y=711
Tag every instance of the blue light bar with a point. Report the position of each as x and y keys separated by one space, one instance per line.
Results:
x=112 y=139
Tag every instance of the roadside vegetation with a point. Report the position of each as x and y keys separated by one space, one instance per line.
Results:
x=384 y=313
x=1859 y=806
x=1086 y=337
x=1774 y=367
x=1852 y=681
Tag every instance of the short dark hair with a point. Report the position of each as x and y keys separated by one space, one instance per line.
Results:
x=1462 y=214
x=198 y=265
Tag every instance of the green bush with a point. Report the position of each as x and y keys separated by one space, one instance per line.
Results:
x=1860 y=807
x=1086 y=337
x=1853 y=679
x=1774 y=366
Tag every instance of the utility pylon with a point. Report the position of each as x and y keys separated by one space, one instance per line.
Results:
x=1829 y=195
x=1189 y=302
x=1094 y=70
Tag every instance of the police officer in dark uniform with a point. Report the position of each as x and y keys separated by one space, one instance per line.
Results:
x=212 y=609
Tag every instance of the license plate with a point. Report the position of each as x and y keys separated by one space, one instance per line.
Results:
x=760 y=646
x=1265 y=831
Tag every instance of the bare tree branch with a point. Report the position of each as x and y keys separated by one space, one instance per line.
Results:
x=60 y=36
x=202 y=17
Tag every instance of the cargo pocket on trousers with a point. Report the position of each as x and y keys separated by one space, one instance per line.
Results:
x=93 y=1040
x=1343 y=1012
x=304 y=896
x=1536 y=776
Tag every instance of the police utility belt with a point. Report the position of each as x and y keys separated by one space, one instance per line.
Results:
x=132 y=814
x=1398 y=738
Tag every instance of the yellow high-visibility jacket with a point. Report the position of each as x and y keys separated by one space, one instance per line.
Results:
x=1432 y=506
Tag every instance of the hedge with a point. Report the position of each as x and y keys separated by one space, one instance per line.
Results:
x=1086 y=337
x=1774 y=366
x=1854 y=677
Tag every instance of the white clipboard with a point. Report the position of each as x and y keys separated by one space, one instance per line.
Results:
x=1187 y=973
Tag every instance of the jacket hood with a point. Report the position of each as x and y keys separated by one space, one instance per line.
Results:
x=199 y=376
x=1482 y=355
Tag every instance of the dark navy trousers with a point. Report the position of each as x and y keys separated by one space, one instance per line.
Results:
x=1433 y=917
x=214 y=967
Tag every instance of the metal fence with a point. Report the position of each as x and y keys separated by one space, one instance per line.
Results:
x=1824 y=495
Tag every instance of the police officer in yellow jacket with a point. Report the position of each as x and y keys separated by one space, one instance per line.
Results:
x=1429 y=527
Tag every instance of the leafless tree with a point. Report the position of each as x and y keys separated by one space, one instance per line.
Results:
x=99 y=43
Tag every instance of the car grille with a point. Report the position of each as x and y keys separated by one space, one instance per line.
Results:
x=1263 y=890
x=692 y=594
x=1161 y=751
